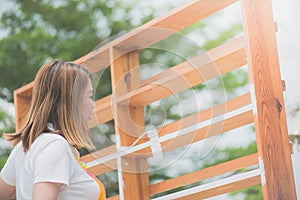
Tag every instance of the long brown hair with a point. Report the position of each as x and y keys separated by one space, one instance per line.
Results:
x=56 y=96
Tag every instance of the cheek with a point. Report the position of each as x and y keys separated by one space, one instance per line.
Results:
x=91 y=104
x=84 y=106
x=88 y=106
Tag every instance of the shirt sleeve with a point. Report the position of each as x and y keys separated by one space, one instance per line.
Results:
x=8 y=171
x=54 y=163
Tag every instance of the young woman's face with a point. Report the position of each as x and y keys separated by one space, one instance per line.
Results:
x=87 y=103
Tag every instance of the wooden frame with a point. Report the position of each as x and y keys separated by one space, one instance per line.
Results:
x=257 y=48
x=277 y=175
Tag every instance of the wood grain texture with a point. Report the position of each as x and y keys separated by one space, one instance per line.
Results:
x=205 y=173
x=270 y=118
x=22 y=105
x=248 y=182
x=129 y=123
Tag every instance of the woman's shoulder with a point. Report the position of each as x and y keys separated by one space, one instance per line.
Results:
x=46 y=140
x=51 y=137
x=43 y=140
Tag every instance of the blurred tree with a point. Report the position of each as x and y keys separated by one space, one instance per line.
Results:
x=7 y=125
x=7 y=122
x=38 y=31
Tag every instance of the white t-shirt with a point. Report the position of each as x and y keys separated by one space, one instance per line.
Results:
x=49 y=159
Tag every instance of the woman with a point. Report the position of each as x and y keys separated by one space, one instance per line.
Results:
x=44 y=163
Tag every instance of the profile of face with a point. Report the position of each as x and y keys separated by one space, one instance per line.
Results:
x=87 y=103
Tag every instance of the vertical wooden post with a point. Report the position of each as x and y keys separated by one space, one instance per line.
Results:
x=129 y=123
x=269 y=116
x=22 y=101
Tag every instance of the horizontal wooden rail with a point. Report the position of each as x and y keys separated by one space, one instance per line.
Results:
x=230 y=187
x=215 y=111
x=102 y=168
x=103 y=111
x=197 y=70
x=209 y=131
x=214 y=191
x=184 y=137
x=205 y=173
x=230 y=105
x=216 y=62
x=117 y=197
x=154 y=31
x=98 y=154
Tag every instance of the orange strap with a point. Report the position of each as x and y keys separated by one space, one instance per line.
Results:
x=102 y=195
